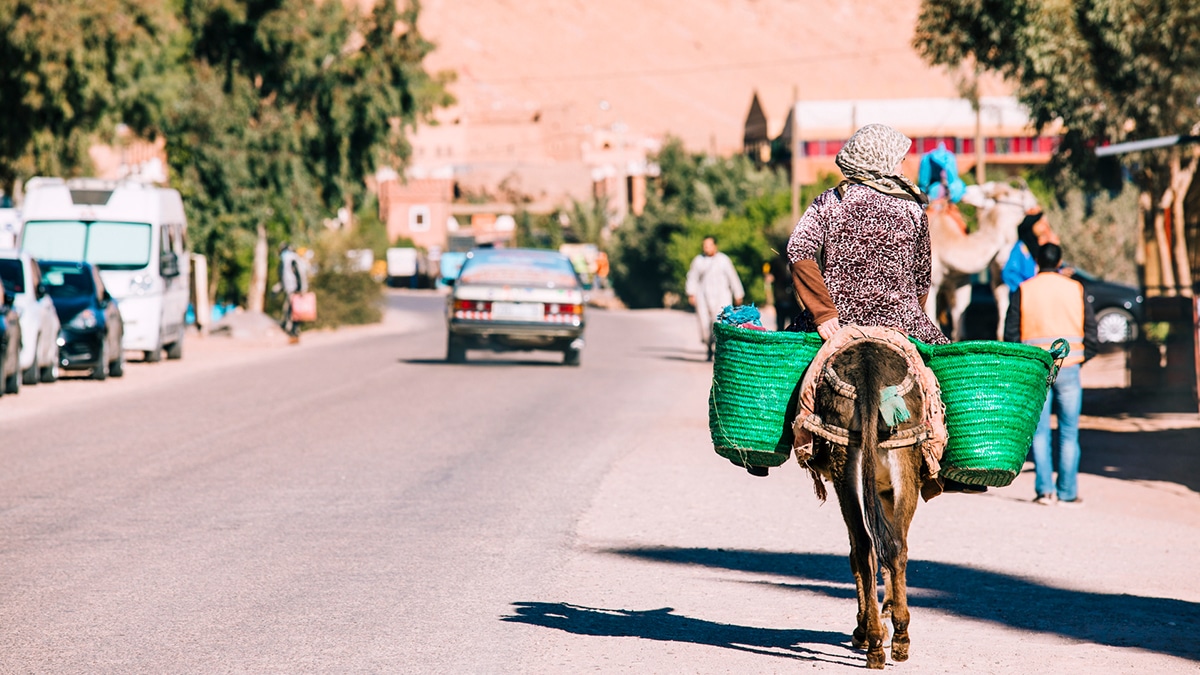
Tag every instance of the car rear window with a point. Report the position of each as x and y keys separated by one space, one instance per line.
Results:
x=519 y=268
x=12 y=275
x=67 y=282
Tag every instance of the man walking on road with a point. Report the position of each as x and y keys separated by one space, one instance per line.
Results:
x=293 y=279
x=712 y=283
x=1047 y=307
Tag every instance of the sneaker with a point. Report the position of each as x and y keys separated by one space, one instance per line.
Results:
x=1046 y=500
x=1074 y=503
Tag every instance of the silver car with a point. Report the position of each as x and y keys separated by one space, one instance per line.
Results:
x=39 y=320
x=515 y=299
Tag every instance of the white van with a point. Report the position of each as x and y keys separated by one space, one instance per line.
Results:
x=136 y=234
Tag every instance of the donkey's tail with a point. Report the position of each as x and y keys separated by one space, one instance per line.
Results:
x=879 y=526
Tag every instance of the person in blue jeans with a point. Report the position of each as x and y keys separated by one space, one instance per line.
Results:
x=1043 y=309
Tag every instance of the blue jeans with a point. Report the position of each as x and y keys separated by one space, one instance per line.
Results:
x=1066 y=397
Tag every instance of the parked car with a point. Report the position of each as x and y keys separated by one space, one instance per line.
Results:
x=135 y=234
x=39 y=320
x=92 y=329
x=1118 y=307
x=515 y=299
x=10 y=344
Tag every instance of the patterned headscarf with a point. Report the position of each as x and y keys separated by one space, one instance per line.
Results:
x=871 y=155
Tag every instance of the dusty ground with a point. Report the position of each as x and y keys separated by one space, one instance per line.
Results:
x=683 y=563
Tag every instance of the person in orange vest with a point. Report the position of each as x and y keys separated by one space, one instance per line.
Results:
x=1047 y=307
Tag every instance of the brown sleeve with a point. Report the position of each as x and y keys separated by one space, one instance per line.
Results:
x=810 y=286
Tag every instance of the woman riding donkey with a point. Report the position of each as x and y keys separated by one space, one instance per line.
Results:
x=870 y=418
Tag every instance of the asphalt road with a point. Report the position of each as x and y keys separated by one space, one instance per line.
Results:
x=355 y=504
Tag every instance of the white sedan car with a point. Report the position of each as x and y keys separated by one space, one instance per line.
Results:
x=39 y=321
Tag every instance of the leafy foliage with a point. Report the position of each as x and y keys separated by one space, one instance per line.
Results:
x=696 y=196
x=1109 y=69
x=290 y=105
x=72 y=70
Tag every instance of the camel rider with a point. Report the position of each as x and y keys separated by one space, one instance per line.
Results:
x=938 y=176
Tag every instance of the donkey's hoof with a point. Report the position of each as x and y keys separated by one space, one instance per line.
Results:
x=859 y=639
x=899 y=651
x=876 y=659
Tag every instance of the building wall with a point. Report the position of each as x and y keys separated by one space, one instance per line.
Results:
x=418 y=208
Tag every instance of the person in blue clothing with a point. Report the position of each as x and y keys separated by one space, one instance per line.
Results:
x=1033 y=233
x=937 y=176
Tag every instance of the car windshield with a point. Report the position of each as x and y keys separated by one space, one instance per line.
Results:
x=13 y=275
x=67 y=282
x=500 y=267
x=109 y=246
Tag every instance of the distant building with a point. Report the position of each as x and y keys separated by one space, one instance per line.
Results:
x=1002 y=125
x=417 y=209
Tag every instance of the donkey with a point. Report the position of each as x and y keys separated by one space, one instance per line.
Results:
x=873 y=406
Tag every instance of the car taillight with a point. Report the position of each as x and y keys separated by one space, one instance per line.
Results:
x=563 y=312
x=472 y=309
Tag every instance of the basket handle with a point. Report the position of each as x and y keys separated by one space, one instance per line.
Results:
x=1058 y=351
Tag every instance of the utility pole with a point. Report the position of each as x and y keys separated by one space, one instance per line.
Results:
x=980 y=169
x=794 y=132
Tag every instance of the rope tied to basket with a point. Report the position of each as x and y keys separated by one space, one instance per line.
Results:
x=1059 y=351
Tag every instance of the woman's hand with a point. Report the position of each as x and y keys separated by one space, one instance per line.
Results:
x=827 y=329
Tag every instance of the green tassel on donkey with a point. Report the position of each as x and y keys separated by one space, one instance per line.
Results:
x=892 y=407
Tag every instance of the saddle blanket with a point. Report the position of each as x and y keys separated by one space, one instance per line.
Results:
x=934 y=418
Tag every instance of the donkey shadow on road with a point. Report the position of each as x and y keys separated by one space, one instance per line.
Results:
x=1162 y=625
x=664 y=625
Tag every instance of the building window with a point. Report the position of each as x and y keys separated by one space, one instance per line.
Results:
x=418 y=218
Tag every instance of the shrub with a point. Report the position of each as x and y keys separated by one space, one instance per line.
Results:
x=345 y=296
x=346 y=299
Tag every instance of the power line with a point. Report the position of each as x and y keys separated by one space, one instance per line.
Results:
x=686 y=70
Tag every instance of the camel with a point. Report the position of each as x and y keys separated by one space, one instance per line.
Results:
x=957 y=255
x=875 y=467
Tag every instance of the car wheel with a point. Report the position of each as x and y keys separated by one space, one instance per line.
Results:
x=100 y=372
x=12 y=383
x=117 y=369
x=153 y=356
x=456 y=351
x=175 y=349
x=50 y=372
x=1115 y=325
x=33 y=375
x=571 y=356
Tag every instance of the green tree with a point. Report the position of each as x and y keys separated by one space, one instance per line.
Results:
x=73 y=69
x=289 y=105
x=1109 y=70
x=694 y=196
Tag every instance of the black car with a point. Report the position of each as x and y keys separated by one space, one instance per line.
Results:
x=1118 y=307
x=10 y=344
x=91 y=323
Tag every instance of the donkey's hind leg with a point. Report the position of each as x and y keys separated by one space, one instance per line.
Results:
x=904 y=505
x=869 y=630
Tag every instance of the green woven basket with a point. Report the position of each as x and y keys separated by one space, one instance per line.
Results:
x=752 y=402
x=994 y=393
